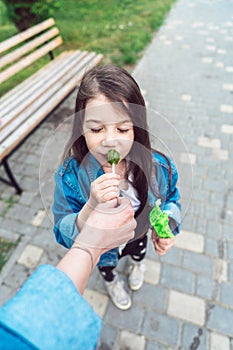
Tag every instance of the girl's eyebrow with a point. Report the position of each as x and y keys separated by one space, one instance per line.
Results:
x=93 y=121
x=126 y=121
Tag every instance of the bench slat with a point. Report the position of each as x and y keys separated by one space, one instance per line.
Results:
x=25 y=100
x=46 y=94
x=21 y=51
x=46 y=90
x=10 y=96
x=25 y=62
x=28 y=33
x=12 y=141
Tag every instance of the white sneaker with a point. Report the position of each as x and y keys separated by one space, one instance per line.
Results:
x=120 y=298
x=136 y=275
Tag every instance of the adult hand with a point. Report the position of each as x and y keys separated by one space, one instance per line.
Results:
x=104 y=188
x=109 y=225
x=161 y=245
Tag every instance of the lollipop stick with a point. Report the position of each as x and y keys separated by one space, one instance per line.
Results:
x=113 y=168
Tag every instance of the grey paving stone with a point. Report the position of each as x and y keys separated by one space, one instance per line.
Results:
x=227 y=231
x=46 y=240
x=193 y=337
x=7 y=292
x=189 y=222
x=211 y=247
x=30 y=169
x=9 y=192
x=173 y=256
x=20 y=213
x=37 y=202
x=226 y=294
x=156 y=326
x=31 y=159
x=207 y=288
x=130 y=320
x=231 y=272
x=177 y=278
x=214 y=229
x=3 y=207
x=216 y=198
x=156 y=297
x=152 y=345
x=9 y=235
x=220 y=319
x=198 y=208
x=108 y=337
x=211 y=213
x=151 y=254
x=47 y=224
x=29 y=184
x=18 y=227
x=198 y=263
x=27 y=198
x=130 y=341
x=228 y=216
x=17 y=276
x=201 y=225
x=51 y=258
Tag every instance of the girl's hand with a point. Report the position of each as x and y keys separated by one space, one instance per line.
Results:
x=161 y=245
x=104 y=189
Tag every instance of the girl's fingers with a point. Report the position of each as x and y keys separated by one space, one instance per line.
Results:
x=111 y=194
x=108 y=183
x=107 y=176
x=161 y=245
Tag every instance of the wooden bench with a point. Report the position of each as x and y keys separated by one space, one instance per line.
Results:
x=24 y=107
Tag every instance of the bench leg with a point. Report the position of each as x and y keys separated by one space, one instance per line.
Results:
x=51 y=55
x=11 y=177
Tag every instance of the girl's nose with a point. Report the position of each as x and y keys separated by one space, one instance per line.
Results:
x=109 y=142
x=109 y=139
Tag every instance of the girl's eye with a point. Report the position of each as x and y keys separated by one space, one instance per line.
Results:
x=96 y=130
x=123 y=130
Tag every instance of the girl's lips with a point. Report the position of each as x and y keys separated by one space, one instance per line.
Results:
x=102 y=158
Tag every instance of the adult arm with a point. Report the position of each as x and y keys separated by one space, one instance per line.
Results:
x=109 y=225
x=48 y=311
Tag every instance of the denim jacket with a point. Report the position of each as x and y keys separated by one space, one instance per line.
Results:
x=48 y=313
x=72 y=189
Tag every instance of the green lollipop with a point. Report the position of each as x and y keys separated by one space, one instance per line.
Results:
x=113 y=158
x=159 y=221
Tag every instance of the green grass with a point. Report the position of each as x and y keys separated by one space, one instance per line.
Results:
x=5 y=250
x=120 y=29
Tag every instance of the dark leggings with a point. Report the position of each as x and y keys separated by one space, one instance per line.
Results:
x=137 y=251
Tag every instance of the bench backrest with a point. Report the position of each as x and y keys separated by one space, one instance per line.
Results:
x=43 y=39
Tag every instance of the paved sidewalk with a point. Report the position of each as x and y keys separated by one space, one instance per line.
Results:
x=186 y=303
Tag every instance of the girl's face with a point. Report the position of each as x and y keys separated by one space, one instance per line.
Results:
x=105 y=128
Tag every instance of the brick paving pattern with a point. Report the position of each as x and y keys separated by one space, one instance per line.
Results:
x=186 y=75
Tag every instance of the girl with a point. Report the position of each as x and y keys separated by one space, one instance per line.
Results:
x=111 y=114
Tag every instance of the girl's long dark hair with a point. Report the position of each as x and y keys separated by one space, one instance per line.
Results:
x=117 y=85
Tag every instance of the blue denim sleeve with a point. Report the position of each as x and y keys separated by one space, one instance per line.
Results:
x=48 y=313
x=171 y=204
x=66 y=207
